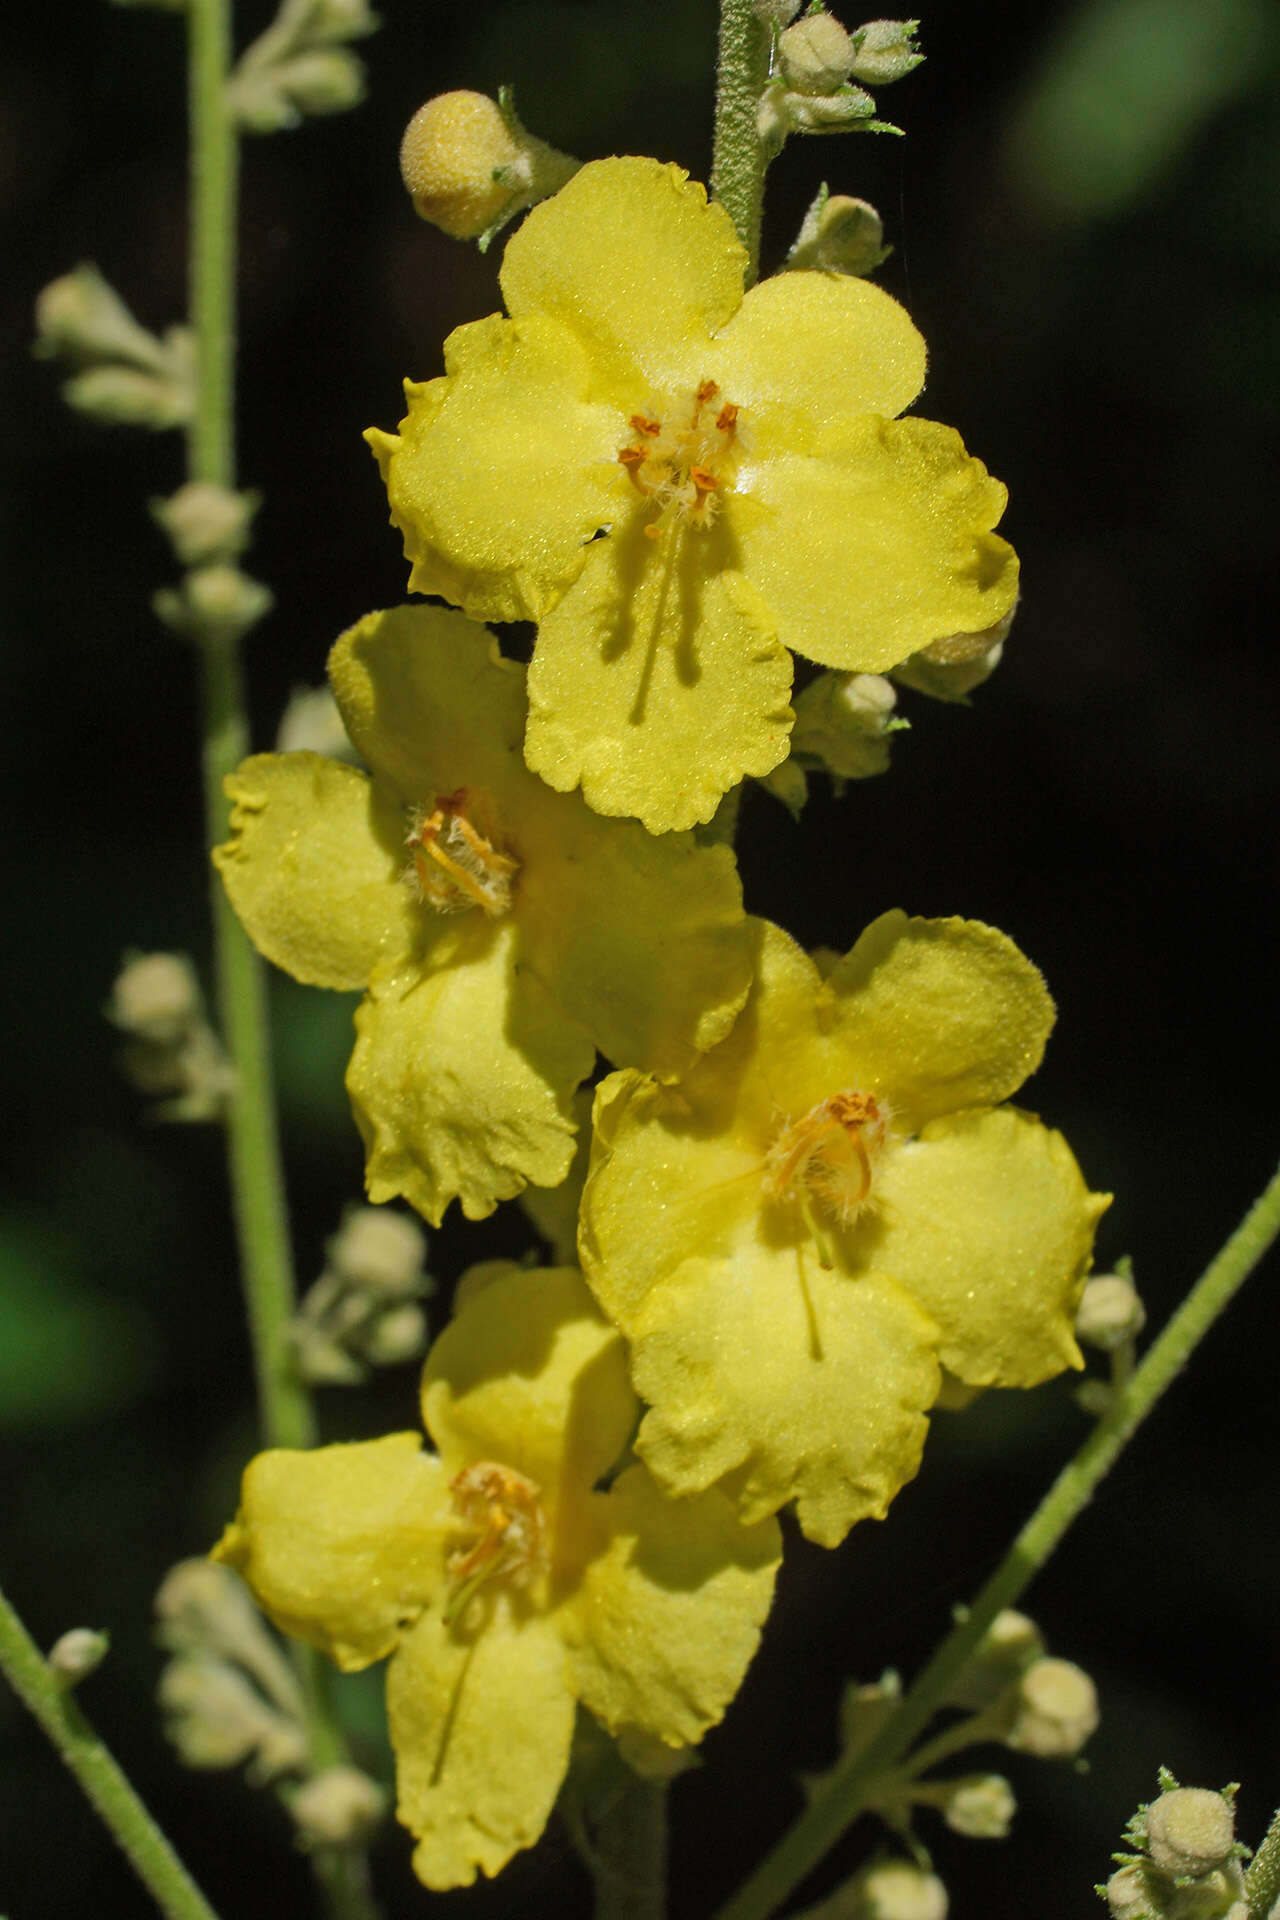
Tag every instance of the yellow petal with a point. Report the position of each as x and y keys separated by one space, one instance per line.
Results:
x=937 y=1015
x=462 y=1078
x=429 y=703
x=642 y=938
x=530 y=1374
x=796 y=1382
x=809 y=350
x=631 y=255
x=481 y=1728
x=657 y=682
x=506 y=468
x=669 y=1614
x=875 y=546
x=554 y=1210
x=986 y=1221
x=313 y=867
x=343 y=1545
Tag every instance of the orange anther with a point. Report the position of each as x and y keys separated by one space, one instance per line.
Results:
x=644 y=423
x=727 y=418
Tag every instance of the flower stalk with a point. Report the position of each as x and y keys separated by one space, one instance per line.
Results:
x=257 y=1179
x=629 y=1859
x=739 y=162
x=148 y=1851
x=1262 y=1881
x=854 y=1783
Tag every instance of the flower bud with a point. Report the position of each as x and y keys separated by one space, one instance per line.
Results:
x=1009 y=1645
x=1130 y=1895
x=816 y=54
x=842 y=724
x=1056 y=1710
x=884 y=51
x=381 y=1251
x=839 y=235
x=981 y=1806
x=775 y=14
x=205 y=522
x=75 y=1655
x=334 y=20
x=156 y=997
x=470 y=166
x=216 y=604
x=204 y=1608
x=81 y=317
x=950 y=668
x=781 y=113
x=126 y=397
x=311 y=723
x=1110 y=1312
x=897 y=1890
x=338 y=1808
x=215 y=1718
x=395 y=1336
x=1191 y=1830
x=270 y=95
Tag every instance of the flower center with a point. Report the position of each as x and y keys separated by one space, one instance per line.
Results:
x=684 y=456
x=825 y=1161
x=456 y=863
x=499 y=1512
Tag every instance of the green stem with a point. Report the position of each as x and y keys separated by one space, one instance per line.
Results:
x=257 y=1178
x=854 y=1782
x=738 y=164
x=149 y=1853
x=1262 y=1882
x=629 y=1858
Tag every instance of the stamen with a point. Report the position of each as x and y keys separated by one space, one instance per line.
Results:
x=500 y=1508
x=826 y=1160
x=456 y=864
x=683 y=458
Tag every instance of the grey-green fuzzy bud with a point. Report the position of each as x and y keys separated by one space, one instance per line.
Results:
x=271 y=97
x=156 y=997
x=339 y=1807
x=981 y=1806
x=1056 y=1710
x=76 y=1654
x=839 y=235
x=126 y=397
x=1110 y=1312
x=1190 y=1830
x=816 y=54
x=205 y=522
x=217 y=604
x=884 y=51
x=776 y=13
x=381 y=1252
x=81 y=317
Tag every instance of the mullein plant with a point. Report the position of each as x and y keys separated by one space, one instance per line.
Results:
x=792 y=1206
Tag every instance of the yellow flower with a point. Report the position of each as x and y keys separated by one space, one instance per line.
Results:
x=831 y=1205
x=742 y=455
x=503 y=932
x=504 y=1587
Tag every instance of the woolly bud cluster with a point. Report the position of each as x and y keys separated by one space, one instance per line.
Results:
x=364 y=1309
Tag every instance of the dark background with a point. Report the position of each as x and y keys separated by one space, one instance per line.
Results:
x=1086 y=221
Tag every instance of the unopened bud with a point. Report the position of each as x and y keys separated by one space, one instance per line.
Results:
x=950 y=668
x=398 y=1335
x=215 y=1718
x=1057 y=1710
x=381 y=1251
x=897 y=1890
x=74 y=1656
x=776 y=13
x=839 y=235
x=816 y=54
x=311 y=723
x=218 y=603
x=981 y=1806
x=842 y=724
x=156 y=997
x=1130 y=1895
x=1009 y=1645
x=338 y=1808
x=469 y=165
x=884 y=51
x=205 y=1608
x=332 y=20
x=1110 y=1312
x=120 y=396
x=271 y=96
x=81 y=317
x=205 y=522
x=1191 y=1830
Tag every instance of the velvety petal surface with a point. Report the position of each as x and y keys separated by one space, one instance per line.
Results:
x=632 y=256
x=796 y=1382
x=642 y=938
x=504 y=470
x=312 y=867
x=463 y=1076
x=669 y=1614
x=342 y=1545
x=939 y=1014
x=875 y=544
x=658 y=682
x=430 y=704
x=807 y=350
x=987 y=1222
x=481 y=1729
x=530 y=1374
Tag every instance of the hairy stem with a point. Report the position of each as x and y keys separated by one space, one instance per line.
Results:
x=149 y=1853
x=854 y=1782
x=1262 y=1882
x=738 y=164
x=629 y=1859
x=257 y=1179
